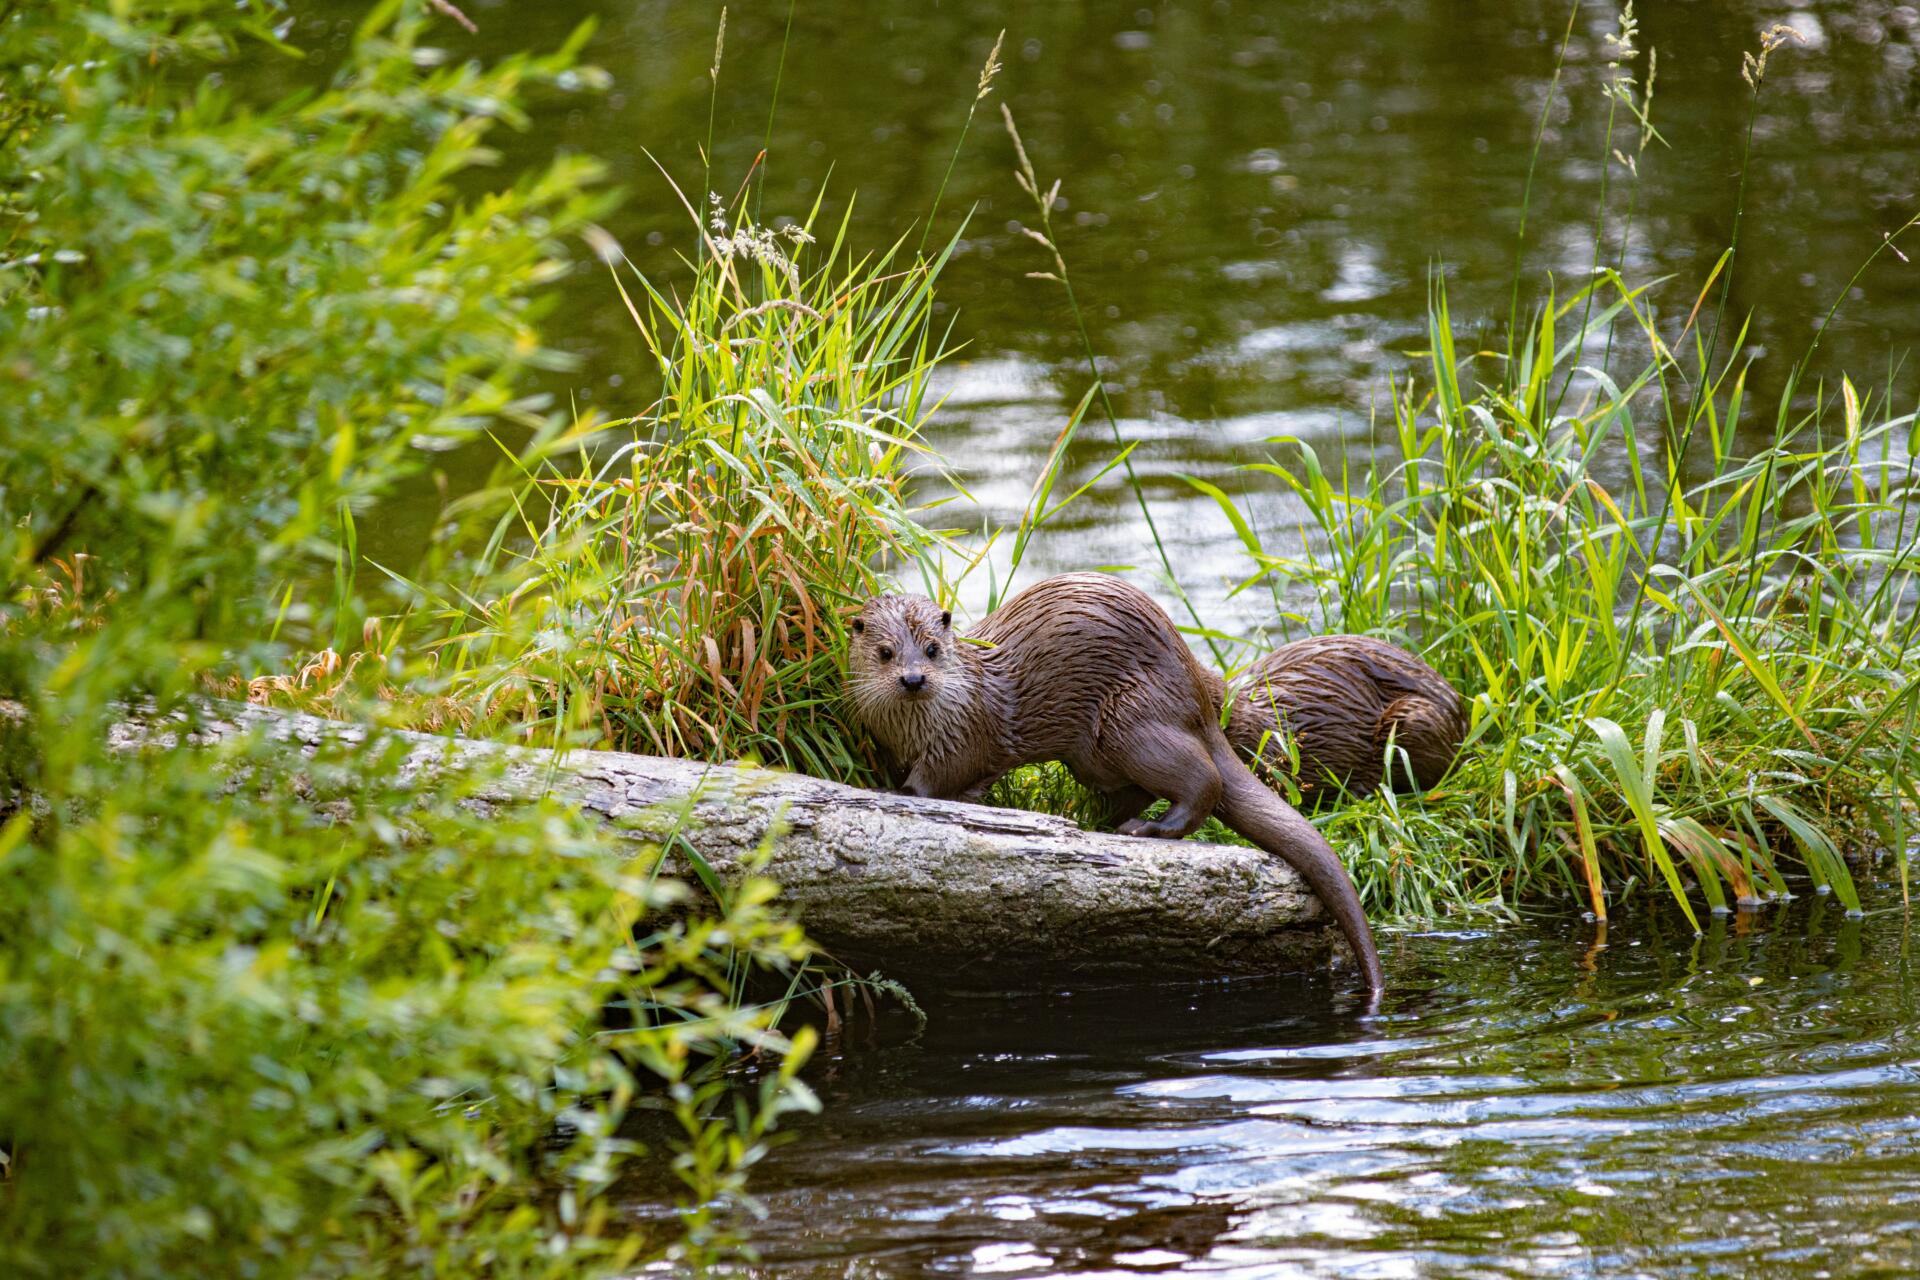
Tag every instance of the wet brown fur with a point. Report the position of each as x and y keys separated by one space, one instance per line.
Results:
x=1087 y=670
x=1344 y=699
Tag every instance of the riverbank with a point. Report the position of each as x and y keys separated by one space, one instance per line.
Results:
x=1682 y=620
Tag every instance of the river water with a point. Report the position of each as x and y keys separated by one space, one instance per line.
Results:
x=1540 y=1100
x=1255 y=198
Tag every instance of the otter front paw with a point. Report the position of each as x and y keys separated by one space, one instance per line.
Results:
x=977 y=793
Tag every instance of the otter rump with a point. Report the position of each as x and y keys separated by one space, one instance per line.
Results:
x=1362 y=714
x=1088 y=670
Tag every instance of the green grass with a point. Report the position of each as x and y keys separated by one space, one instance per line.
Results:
x=1690 y=675
x=1694 y=679
x=677 y=582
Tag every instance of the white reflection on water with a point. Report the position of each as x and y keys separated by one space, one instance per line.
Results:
x=996 y=429
x=1518 y=1115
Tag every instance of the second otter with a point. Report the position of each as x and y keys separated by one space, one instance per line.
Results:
x=1087 y=670
x=1361 y=711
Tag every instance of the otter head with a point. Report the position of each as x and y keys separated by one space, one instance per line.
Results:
x=903 y=647
x=901 y=660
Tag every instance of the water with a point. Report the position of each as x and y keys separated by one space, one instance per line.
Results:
x=1532 y=1101
x=1255 y=197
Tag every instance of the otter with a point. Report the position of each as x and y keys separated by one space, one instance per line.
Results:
x=1345 y=699
x=1085 y=669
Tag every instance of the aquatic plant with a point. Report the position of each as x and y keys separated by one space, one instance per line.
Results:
x=679 y=587
x=1518 y=525
x=988 y=70
x=1755 y=719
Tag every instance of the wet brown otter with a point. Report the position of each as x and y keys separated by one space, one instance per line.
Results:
x=1344 y=699
x=1087 y=670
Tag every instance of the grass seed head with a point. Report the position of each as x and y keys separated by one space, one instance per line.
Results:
x=1753 y=67
x=992 y=69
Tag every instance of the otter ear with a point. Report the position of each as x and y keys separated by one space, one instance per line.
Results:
x=946 y=619
x=859 y=626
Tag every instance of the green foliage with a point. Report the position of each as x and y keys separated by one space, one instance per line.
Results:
x=1753 y=715
x=222 y=322
x=261 y=1014
x=243 y=1037
x=681 y=590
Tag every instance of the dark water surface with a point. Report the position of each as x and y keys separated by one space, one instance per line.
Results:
x=1530 y=1101
x=1254 y=196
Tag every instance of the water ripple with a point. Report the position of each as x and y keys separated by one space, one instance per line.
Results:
x=1529 y=1104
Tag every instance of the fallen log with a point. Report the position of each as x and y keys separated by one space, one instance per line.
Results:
x=928 y=890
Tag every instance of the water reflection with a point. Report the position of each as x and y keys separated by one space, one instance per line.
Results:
x=1255 y=197
x=1528 y=1103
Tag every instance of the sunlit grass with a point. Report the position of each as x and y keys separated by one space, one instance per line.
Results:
x=1694 y=678
x=1689 y=671
x=689 y=571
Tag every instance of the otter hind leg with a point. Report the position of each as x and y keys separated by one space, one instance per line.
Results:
x=1175 y=765
x=1124 y=804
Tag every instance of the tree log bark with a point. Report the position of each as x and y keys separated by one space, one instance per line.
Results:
x=931 y=891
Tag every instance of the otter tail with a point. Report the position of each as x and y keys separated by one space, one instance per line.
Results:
x=1267 y=820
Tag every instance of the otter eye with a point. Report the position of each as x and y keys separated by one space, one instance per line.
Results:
x=859 y=626
x=886 y=654
x=933 y=651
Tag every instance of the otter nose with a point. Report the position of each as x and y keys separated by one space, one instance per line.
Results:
x=913 y=683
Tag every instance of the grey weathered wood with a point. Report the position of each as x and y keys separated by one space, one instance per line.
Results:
x=924 y=888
